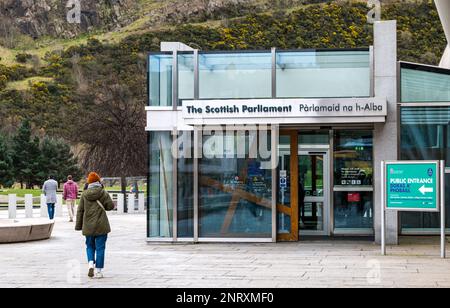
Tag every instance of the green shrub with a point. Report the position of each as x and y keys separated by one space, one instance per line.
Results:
x=3 y=82
x=23 y=57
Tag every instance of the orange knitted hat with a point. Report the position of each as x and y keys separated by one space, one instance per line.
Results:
x=93 y=177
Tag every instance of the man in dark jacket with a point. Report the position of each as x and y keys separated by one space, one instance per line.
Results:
x=94 y=224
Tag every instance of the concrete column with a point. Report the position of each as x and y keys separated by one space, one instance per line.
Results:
x=29 y=206
x=12 y=206
x=385 y=135
x=120 y=204
x=445 y=61
x=141 y=203
x=44 y=212
x=443 y=7
x=59 y=206
x=131 y=200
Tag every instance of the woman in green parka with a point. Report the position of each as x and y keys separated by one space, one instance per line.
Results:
x=93 y=222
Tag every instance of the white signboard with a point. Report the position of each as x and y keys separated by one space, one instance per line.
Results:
x=284 y=108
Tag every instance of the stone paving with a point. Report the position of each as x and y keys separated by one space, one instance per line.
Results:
x=131 y=262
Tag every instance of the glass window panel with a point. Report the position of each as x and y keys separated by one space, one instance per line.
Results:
x=311 y=186
x=160 y=78
x=420 y=222
x=161 y=188
x=235 y=189
x=424 y=86
x=311 y=216
x=353 y=210
x=323 y=74
x=235 y=76
x=425 y=135
x=353 y=168
x=306 y=138
x=185 y=77
x=283 y=223
x=185 y=210
x=311 y=175
x=353 y=158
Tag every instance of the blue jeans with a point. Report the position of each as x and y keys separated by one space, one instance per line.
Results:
x=95 y=248
x=51 y=210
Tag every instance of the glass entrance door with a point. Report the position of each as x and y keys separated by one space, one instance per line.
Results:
x=303 y=192
x=313 y=195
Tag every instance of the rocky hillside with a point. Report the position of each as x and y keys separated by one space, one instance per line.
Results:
x=37 y=18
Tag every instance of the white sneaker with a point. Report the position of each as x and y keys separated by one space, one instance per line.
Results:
x=99 y=274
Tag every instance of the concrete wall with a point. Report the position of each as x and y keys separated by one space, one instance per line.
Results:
x=445 y=61
x=385 y=135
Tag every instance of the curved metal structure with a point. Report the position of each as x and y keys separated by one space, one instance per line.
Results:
x=443 y=7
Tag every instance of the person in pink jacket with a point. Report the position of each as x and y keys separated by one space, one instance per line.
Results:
x=70 y=195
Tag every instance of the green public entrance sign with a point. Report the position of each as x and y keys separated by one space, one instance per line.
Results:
x=412 y=186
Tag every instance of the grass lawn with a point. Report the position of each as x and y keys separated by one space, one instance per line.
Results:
x=21 y=192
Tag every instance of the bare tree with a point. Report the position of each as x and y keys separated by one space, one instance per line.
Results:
x=111 y=129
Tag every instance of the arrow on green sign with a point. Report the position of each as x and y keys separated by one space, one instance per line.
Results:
x=425 y=190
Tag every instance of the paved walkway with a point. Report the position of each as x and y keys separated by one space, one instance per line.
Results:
x=60 y=262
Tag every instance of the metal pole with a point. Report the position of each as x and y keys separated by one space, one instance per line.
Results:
x=196 y=76
x=197 y=152
x=442 y=205
x=383 y=214
x=274 y=73
x=175 y=81
x=175 y=154
x=275 y=140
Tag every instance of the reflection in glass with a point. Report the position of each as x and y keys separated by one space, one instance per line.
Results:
x=353 y=158
x=310 y=138
x=185 y=211
x=160 y=78
x=421 y=85
x=235 y=75
x=353 y=168
x=235 y=193
x=311 y=175
x=311 y=186
x=161 y=187
x=313 y=74
x=425 y=135
x=311 y=216
x=185 y=77
x=353 y=210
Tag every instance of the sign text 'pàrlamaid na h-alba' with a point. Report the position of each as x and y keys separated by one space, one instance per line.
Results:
x=284 y=108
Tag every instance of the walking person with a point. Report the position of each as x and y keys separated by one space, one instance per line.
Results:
x=49 y=189
x=93 y=221
x=70 y=195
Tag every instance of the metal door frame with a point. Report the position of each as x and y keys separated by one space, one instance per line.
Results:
x=291 y=150
x=326 y=199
